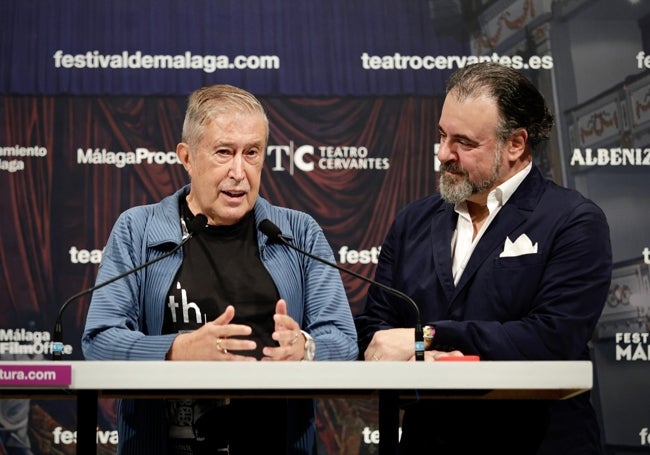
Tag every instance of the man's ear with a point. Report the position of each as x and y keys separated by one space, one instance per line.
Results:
x=183 y=154
x=517 y=144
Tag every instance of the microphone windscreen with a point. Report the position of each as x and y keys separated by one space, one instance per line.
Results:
x=270 y=230
x=197 y=224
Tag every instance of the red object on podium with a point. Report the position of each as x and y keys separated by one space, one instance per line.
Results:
x=458 y=358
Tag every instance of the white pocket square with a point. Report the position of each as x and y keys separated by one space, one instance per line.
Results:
x=519 y=247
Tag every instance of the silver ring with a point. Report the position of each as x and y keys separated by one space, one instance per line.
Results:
x=295 y=339
x=219 y=347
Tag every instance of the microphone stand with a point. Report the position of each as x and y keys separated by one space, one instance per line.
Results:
x=197 y=223
x=273 y=232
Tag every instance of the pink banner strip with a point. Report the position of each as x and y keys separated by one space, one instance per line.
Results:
x=35 y=375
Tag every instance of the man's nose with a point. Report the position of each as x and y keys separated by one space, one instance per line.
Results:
x=444 y=152
x=237 y=166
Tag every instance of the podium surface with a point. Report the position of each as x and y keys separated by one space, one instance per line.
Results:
x=387 y=381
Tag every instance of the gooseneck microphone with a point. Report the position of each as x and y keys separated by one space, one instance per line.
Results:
x=195 y=226
x=274 y=233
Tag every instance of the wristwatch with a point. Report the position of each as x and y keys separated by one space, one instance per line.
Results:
x=310 y=347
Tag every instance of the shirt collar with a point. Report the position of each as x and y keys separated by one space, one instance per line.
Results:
x=500 y=195
x=503 y=192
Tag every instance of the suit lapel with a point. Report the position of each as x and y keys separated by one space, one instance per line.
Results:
x=506 y=221
x=442 y=228
x=515 y=212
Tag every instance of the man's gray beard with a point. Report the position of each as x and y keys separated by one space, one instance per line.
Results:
x=454 y=191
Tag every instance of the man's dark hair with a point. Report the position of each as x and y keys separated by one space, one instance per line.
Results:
x=519 y=102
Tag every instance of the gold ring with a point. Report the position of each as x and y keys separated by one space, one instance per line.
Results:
x=219 y=347
x=374 y=357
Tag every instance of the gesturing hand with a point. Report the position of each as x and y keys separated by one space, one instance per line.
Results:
x=287 y=333
x=213 y=341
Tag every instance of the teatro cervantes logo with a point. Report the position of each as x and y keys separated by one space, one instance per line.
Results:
x=306 y=158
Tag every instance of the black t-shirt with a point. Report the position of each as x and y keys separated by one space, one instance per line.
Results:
x=221 y=267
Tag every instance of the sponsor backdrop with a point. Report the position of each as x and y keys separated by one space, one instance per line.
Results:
x=92 y=96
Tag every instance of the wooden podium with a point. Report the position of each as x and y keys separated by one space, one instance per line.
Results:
x=386 y=381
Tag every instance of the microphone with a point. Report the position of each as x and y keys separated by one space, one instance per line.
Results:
x=274 y=233
x=195 y=226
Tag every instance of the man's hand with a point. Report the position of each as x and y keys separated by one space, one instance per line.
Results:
x=287 y=333
x=213 y=341
x=391 y=344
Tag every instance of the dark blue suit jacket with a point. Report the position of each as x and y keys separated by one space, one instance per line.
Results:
x=541 y=306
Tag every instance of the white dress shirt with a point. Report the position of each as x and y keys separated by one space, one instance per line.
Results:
x=462 y=243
